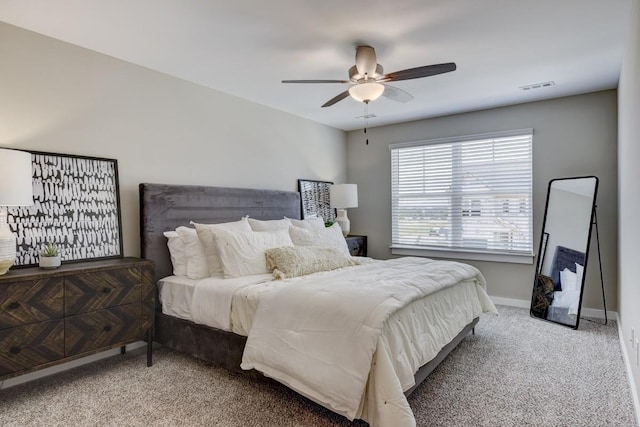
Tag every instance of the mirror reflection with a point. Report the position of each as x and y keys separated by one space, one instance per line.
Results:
x=563 y=250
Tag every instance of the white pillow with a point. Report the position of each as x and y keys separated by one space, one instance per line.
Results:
x=205 y=234
x=308 y=223
x=568 y=280
x=177 y=253
x=196 y=259
x=327 y=236
x=579 y=273
x=243 y=253
x=271 y=225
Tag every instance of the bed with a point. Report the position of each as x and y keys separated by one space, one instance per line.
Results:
x=383 y=402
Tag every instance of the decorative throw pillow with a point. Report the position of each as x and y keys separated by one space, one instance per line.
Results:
x=196 y=259
x=243 y=253
x=328 y=236
x=205 y=234
x=296 y=261
x=177 y=253
x=270 y=225
x=316 y=223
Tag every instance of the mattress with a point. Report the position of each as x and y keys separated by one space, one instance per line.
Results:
x=232 y=303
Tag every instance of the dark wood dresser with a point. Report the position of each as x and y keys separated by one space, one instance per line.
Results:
x=48 y=317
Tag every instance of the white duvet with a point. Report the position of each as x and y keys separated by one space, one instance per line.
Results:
x=324 y=337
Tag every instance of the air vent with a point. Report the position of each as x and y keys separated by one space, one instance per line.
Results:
x=538 y=85
x=366 y=116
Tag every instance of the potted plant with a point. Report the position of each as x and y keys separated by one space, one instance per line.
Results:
x=50 y=256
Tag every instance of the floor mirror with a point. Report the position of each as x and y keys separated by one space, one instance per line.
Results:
x=564 y=250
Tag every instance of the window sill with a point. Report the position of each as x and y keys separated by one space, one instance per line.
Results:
x=465 y=255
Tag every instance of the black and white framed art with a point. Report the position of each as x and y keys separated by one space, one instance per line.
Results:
x=314 y=199
x=76 y=205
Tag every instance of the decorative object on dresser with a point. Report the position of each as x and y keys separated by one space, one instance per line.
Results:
x=314 y=199
x=16 y=189
x=54 y=316
x=357 y=245
x=49 y=257
x=76 y=206
x=344 y=196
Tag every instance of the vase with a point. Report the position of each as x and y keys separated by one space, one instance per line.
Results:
x=49 y=262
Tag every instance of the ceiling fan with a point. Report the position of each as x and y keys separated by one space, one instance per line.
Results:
x=369 y=81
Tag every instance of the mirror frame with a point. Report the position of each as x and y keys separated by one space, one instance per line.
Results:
x=542 y=244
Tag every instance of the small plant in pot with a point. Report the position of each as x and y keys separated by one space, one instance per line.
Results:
x=50 y=256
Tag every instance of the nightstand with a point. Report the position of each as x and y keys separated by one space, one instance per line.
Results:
x=357 y=245
x=48 y=317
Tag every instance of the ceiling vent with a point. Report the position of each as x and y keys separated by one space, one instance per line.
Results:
x=366 y=116
x=538 y=85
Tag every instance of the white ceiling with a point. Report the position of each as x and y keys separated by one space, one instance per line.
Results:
x=246 y=47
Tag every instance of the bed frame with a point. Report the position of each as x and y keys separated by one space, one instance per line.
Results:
x=165 y=207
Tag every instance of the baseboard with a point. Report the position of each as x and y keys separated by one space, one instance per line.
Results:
x=510 y=302
x=585 y=312
x=627 y=364
x=66 y=366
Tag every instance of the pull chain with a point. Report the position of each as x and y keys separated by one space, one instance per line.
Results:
x=366 y=118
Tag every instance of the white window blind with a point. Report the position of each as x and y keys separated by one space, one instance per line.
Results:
x=471 y=194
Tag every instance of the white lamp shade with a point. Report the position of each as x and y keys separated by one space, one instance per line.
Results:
x=16 y=183
x=365 y=92
x=343 y=196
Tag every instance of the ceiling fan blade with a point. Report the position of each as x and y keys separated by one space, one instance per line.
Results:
x=336 y=98
x=366 y=61
x=418 y=72
x=316 y=81
x=396 y=94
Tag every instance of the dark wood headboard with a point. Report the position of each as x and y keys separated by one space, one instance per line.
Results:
x=165 y=207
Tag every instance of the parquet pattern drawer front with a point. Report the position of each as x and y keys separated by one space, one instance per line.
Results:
x=31 y=345
x=30 y=301
x=94 y=291
x=103 y=328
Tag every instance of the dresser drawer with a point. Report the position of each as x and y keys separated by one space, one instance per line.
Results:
x=31 y=345
x=30 y=301
x=94 y=291
x=102 y=328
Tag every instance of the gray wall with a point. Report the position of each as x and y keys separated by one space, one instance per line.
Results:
x=629 y=192
x=61 y=98
x=573 y=136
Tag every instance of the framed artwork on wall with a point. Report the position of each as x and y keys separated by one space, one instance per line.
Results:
x=76 y=205
x=314 y=199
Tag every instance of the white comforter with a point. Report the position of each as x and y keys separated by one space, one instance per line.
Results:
x=320 y=338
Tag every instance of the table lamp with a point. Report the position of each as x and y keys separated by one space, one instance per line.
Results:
x=16 y=189
x=343 y=196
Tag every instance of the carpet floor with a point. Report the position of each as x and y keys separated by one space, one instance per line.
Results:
x=515 y=371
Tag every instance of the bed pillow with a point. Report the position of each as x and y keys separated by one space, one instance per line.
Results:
x=194 y=252
x=293 y=261
x=568 y=280
x=243 y=253
x=316 y=223
x=270 y=225
x=328 y=236
x=579 y=273
x=177 y=253
x=205 y=234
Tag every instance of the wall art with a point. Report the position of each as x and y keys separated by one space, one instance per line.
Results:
x=314 y=199
x=76 y=205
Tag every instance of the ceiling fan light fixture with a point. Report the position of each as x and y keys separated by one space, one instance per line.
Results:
x=365 y=92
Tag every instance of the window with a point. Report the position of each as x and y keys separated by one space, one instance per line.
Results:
x=469 y=194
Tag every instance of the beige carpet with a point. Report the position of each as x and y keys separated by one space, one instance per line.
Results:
x=515 y=371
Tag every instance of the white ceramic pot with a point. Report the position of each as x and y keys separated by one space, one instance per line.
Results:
x=49 y=262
